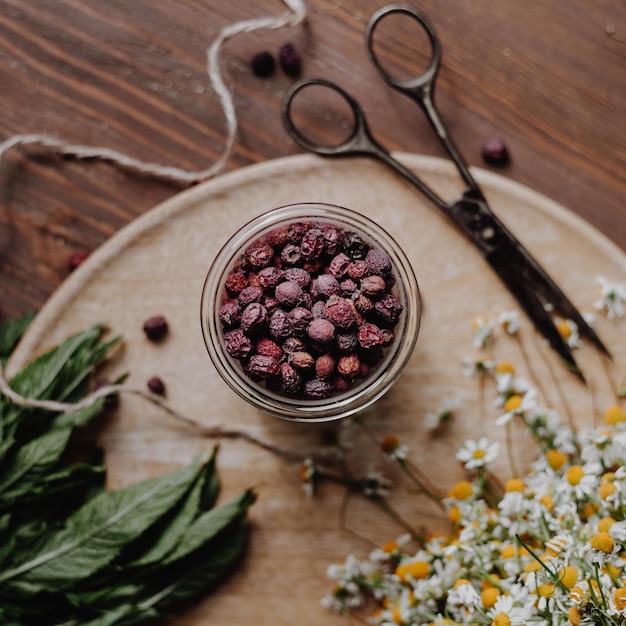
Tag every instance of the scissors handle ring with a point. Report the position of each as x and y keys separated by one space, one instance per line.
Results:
x=359 y=138
x=416 y=83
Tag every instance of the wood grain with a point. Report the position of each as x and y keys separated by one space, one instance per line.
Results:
x=543 y=75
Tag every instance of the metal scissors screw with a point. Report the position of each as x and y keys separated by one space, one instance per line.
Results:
x=535 y=291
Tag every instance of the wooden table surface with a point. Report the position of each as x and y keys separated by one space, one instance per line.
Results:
x=545 y=76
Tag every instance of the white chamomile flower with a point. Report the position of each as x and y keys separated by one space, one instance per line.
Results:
x=612 y=298
x=568 y=329
x=481 y=366
x=505 y=612
x=475 y=454
x=393 y=449
x=518 y=404
x=443 y=413
x=483 y=331
x=510 y=322
x=601 y=548
x=580 y=481
x=307 y=476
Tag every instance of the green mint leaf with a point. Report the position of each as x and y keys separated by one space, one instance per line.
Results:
x=45 y=376
x=98 y=532
x=31 y=460
x=204 y=571
x=209 y=525
x=163 y=539
x=11 y=331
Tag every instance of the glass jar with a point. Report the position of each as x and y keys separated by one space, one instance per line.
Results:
x=364 y=390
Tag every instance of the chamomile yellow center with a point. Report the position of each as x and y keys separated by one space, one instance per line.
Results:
x=574 y=475
x=603 y=542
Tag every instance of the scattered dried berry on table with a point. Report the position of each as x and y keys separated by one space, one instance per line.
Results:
x=263 y=64
x=290 y=60
x=156 y=386
x=308 y=309
x=76 y=259
x=155 y=327
x=495 y=152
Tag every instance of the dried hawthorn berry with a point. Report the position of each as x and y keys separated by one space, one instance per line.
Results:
x=270 y=303
x=354 y=246
x=155 y=327
x=369 y=335
x=276 y=238
x=308 y=308
x=340 y=312
x=296 y=230
x=323 y=287
x=248 y=295
x=495 y=152
x=230 y=313
x=378 y=261
x=348 y=365
x=279 y=326
x=235 y=283
x=299 y=318
x=325 y=366
x=388 y=337
x=301 y=360
x=76 y=259
x=321 y=331
x=338 y=267
x=269 y=277
x=293 y=344
x=312 y=244
x=289 y=60
x=373 y=286
x=156 y=386
x=358 y=269
x=290 y=254
x=318 y=389
x=362 y=303
x=298 y=275
x=317 y=309
x=289 y=294
x=237 y=344
x=290 y=379
x=333 y=240
x=263 y=64
x=253 y=318
x=267 y=347
x=389 y=308
x=346 y=342
x=260 y=367
x=341 y=383
x=259 y=254
x=347 y=287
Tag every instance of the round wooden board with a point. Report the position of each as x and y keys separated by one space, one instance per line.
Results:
x=157 y=265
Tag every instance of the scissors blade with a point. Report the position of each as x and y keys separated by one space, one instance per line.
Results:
x=534 y=289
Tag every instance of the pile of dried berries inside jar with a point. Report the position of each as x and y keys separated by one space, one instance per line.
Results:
x=308 y=309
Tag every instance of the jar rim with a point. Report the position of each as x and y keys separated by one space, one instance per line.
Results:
x=338 y=405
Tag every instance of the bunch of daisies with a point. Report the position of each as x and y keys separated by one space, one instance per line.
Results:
x=548 y=547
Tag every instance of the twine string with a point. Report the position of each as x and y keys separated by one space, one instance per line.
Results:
x=296 y=14
x=215 y=431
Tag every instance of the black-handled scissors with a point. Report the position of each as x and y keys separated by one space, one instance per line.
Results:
x=536 y=292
